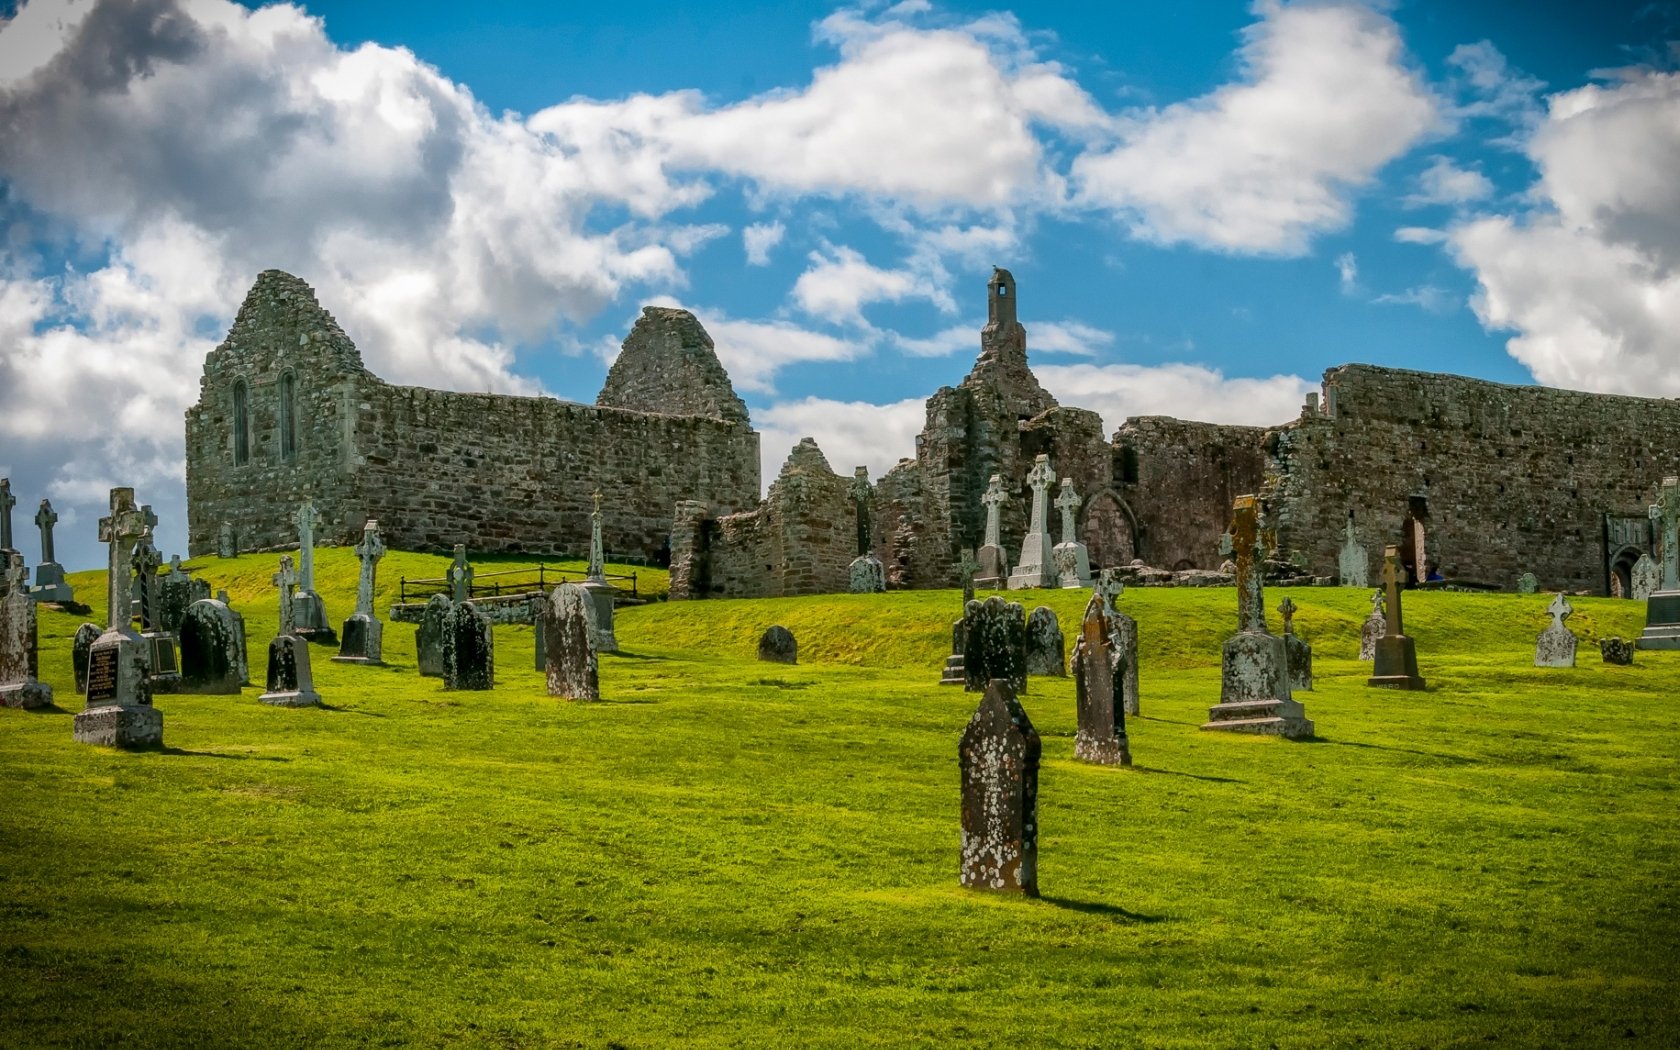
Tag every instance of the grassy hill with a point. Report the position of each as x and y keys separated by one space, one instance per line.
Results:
x=729 y=853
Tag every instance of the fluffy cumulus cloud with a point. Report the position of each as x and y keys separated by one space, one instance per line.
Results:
x=1185 y=391
x=1261 y=165
x=1589 y=279
x=838 y=284
x=850 y=433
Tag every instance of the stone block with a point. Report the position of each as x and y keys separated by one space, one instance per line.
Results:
x=778 y=646
x=120 y=726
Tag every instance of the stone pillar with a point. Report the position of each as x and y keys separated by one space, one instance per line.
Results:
x=866 y=574
x=309 y=612
x=19 y=638
x=599 y=591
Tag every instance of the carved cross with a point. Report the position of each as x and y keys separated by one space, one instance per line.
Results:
x=597 y=553
x=994 y=499
x=860 y=496
x=1392 y=582
x=1666 y=511
x=1243 y=543
x=307 y=520
x=145 y=563
x=1068 y=503
x=1560 y=610
x=1109 y=588
x=286 y=580
x=119 y=530
x=175 y=566
x=460 y=575
x=370 y=550
x=967 y=567
x=45 y=519
x=16 y=577
x=1286 y=609
x=7 y=502
x=1041 y=477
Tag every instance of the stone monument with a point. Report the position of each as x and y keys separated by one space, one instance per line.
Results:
x=867 y=574
x=19 y=638
x=49 y=575
x=1123 y=637
x=1072 y=560
x=239 y=630
x=998 y=756
x=1662 y=608
x=119 y=692
x=1395 y=660
x=600 y=592
x=7 y=502
x=80 y=647
x=460 y=576
x=428 y=636
x=469 y=649
x=165 y=664
x=1046 y=647
x=309 y=612
x=573 y=671
x=1102 y=713
x=1646 y=578
x=175 y=592
x=226 y=545
x=777 y=645
x=364 y=635
x=210 y=649
x=1556 y=645
x=953 y=674
x=286 y=582
x=1376 y=625
x=1353 y=561
x=1296 y=648
x=1036 y=567
x=1616 y=651
x=994 y=560
x=995 y=644
x=289 y=682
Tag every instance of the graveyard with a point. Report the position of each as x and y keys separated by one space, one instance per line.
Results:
x=729 y=851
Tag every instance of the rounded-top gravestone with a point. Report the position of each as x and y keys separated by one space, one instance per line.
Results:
x=469 y=649
x=1046 y=648
x=778 y=646
x=86 y=635
x=573 y=670
x=210 y=643
x=428 y=637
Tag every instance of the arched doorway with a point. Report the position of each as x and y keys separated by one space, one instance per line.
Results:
x=1109 y=530
x=1414 y=552
x=1621 y=572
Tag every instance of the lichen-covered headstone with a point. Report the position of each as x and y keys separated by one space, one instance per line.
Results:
x=1123 y=633
x=1616 y=651
x=19 y=686
x=428 y=636
x=469 y=649
x=175 y=592
x=573 y=668
x=1527 y=583
x=1376 y=625
x=1556 y=645
x=1046 y=648
x=777 y=645
x=80 y=646
x=119 y=709
x=1102 y=715
x=998 y=756
x=290 y=683
x=866 y=575
x=244 y=664
x=995 y=644
x=1646 y=578
x=1296 y=648
x=210 y=647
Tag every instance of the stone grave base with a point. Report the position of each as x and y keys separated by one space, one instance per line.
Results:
x=26 y=695
x=364 y=642
x=292 y=699
x=1112 y=751
x=50 y=585
x=1254 y=690
x=1662 y=622
x=116 y=726
x=1395 y=665
x=956 y=672
x=309 y=619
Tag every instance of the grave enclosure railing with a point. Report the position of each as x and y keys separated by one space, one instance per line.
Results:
x=513 y=581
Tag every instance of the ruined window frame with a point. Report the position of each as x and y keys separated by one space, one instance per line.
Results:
x=241 y=422
x=288 y=416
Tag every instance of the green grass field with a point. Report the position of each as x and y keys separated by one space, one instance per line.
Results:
x=729 y=853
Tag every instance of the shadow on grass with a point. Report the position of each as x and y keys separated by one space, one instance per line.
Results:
x=49 y=709
x=217 y=754
x=1451 y=760
x=1112 y=911
x=626 y=654
x=1168 y=721
x=350 y=711
x=1192 y=776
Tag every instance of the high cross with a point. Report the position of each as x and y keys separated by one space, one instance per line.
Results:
x=120 y=529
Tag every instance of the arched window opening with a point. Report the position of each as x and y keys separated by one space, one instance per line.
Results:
x=288 y=416
x=241 y=424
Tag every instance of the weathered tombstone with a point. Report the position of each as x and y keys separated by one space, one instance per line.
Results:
x=866 y=574
x=210 y=649
x=1662 y=608
x=777 y=645
x=1616 y=651
x=19 y=686
x=460 y=576
x=289 y=682
x=994 y=560
x=1296 y=648
x=538 y=611
x=49 y=574
x=286 y=582
x=1072 y=560
x=1353 y=561
x=998 y=756
x=573 y=671
x=1036 y=567
x=80 y=647
x=119 y=691
x=1102 y=712
x=954 y=674
x=244 y=663
x=1376 y=625
x=995 y=644
x=1394 y=665
x=175 y=592
x=1046 y=648
x=1123 y=637
x=469 y=649
x=226 y=545
x=165 y=664
x=600 y=592
x=309 y=612
x=364 y=635
x=1254 y=694
x=1646 y=578
x=7 y=502
x=428 y=636
x=1527 y=583
x=1556 y=645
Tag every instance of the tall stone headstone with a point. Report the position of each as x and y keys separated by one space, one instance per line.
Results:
x=80 y=647
x=1046 y=648
x=1394 y=665
x=866 y=574
x=119 y=692
x=1123 y=636
x=1556 y=645
x=285 y=581
x=995 y=644
x=428 y=636
x=1254 y=693
x=998 y=756
x=175 y=592
x=1036 y=567
x=19 y=637
x=600 y=592
x=363 y=637
x=1353 y=561
x=244 y=663
x=777 y=645
x=211 y=647
x=7 y=502
x=1072 y=560
x=469 y=649
x=226 y=544
x=460 y=576
x=1296 y=648
x=1646 y=578
x=1102 y=711
x=1662 y=608
x=49 y=574
x=994 y=560
x=165 y=661
x=289 y=681
x=309 y=612
x=1375 y=626
x=573 y=671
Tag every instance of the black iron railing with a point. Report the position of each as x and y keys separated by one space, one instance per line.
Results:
x=512 y=581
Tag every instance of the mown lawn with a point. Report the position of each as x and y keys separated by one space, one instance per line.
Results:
x=729 y=853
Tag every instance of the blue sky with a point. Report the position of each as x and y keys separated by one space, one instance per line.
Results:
x=1205 y=204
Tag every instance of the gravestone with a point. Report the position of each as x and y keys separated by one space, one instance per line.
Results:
x=994 y=560
x=1101 y=710
x=1353 y=561
x=866 y=574
x=1645 y=577
x=537 y=610
x=1394 y=664
x=428 y=636
x=49 y=574
x=80 y=646
x=19 y=637
x=995 y=644
x=285 y=581
x=573 y=670
x=1662 y=608
x=1376 y=625
x=1527 y=583
x=289 y=682
x=1616 y=651
x=953 y=673
x=460 y=576
x=1123 y=637
x=175 y=592
x=309 y=612
x=777 y=645
x=7 y=502
x=600 y=592
x=164 y=662
x=1046 y=648
x=1556 y=645
x=119 y=692
x=363 y=639
x=210 y=649
x=998 y=757
x=1036 y=567
x=1072 y=560
x=1254 y=693
x=1296 y=648
x=226 y=545
x=244 y=663
x=469 y=649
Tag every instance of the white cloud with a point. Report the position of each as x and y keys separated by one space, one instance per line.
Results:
x=1488 y=88
x=1429 y=297
x=759 y=239
x=1067 y=337
x=850 y=433
x=1419 y=235
x=1347 y=272
x=838 y=285
x=1185 y=391
x=943 y=343
x=1444 y=182
x=1262 y=165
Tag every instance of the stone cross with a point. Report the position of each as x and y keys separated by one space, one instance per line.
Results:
x=1377 y=602
x=45 y=519
x=860 y=496
x=370 y=550
x=175 y=566
x=460 y=575
x=1560 y=610
x=994 y=499
x=967 y=567
x=1666 y=512
x=145 y=563
x=120 y=530
x=1287 y=610
x=16 y=576
x=1243 y=544
x=307 y=519
x=286 y=580
x=7 y=502
x=1108 y=587
x=1068 y=503
x=597 y=555
x=150 y=518
x=1391 y=583
x=1041 y=477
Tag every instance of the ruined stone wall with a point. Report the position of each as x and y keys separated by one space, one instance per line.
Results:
x=1517 y=478
x=1177 y=479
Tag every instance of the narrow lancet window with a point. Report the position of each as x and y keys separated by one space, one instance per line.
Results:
x=288 y=417
x=241 y=424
